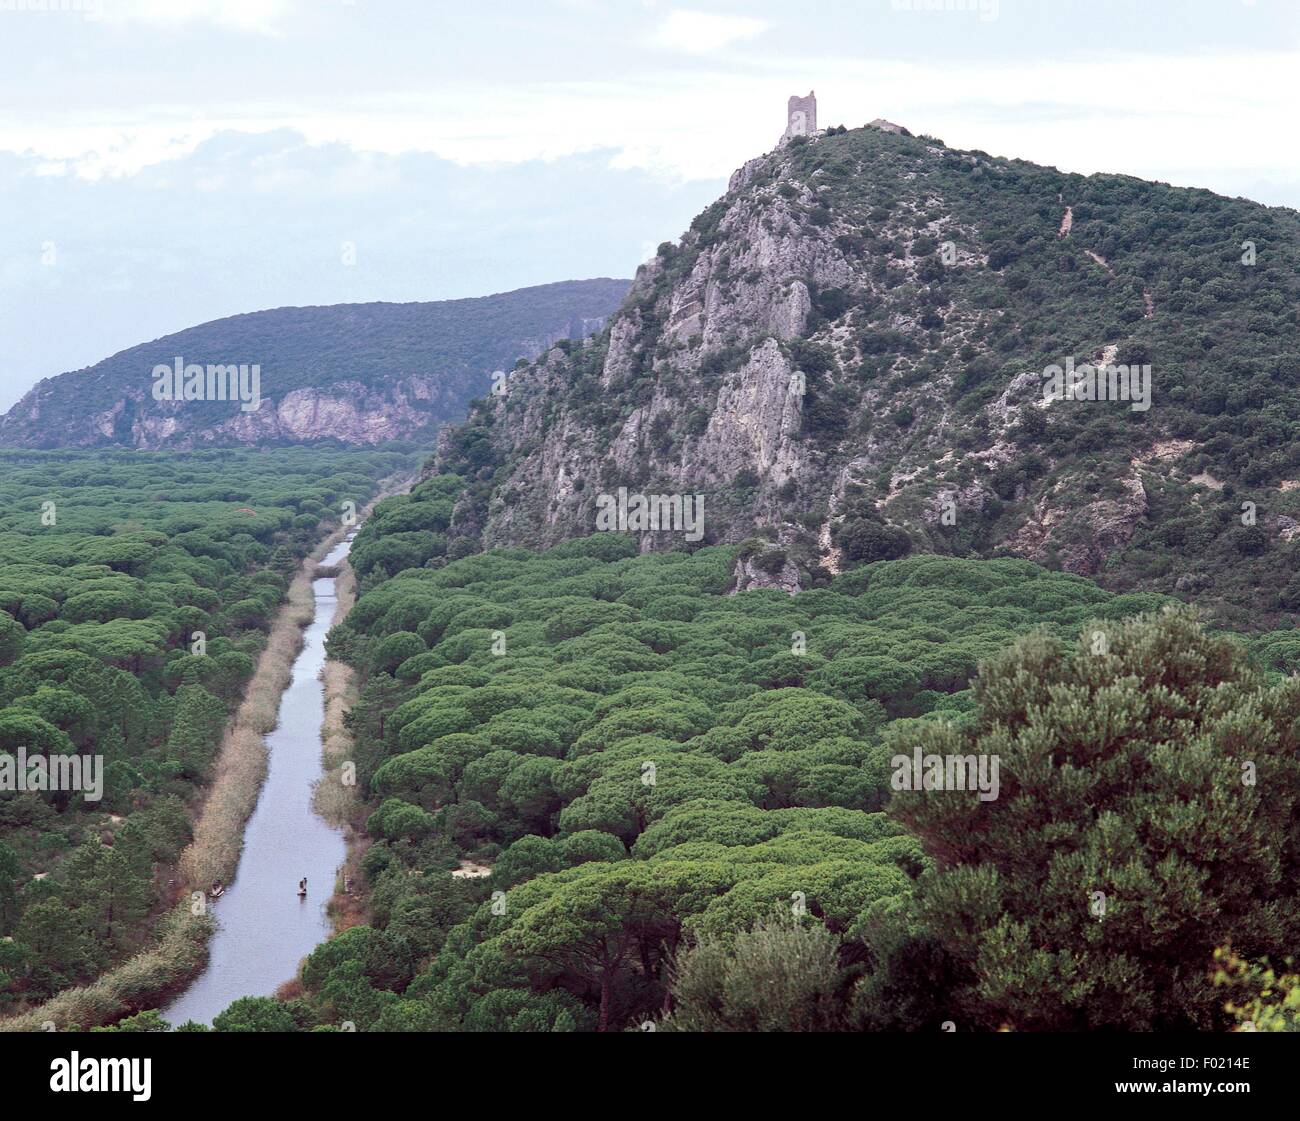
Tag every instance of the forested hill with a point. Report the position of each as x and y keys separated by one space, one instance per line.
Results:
x=358 y=373
x=845 y=356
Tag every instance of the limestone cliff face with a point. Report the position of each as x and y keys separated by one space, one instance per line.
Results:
x=844 y=357
x=740 y=300
x=349 y=412
x=715 y=361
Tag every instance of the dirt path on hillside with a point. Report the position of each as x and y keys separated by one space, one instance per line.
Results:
x=1148 y=303
x=1101 y=261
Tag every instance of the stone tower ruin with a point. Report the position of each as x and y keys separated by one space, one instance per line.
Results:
x=801 y=116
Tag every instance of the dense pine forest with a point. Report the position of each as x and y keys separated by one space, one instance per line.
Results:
x=694 y=810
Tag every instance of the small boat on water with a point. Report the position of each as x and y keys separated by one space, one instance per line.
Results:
x=302 y=888
x=218 y=890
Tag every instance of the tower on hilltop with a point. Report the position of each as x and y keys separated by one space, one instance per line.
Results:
x=801 y=116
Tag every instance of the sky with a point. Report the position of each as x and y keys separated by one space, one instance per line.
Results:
x=166 y=162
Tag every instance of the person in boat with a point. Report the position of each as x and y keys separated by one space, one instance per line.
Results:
x=302 y=886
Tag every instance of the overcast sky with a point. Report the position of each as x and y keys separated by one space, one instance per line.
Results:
x=165 y=162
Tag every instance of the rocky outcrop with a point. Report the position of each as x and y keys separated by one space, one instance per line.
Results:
x=1080 y=538
x=715 y=336
x=750 y=576
x=349 y=412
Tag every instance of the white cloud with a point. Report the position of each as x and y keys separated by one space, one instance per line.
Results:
x=1147 y=115
x=705 y=32
x=262 y=17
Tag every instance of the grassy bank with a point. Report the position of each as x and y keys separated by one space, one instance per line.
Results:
x=336 y=798
x=143 y=982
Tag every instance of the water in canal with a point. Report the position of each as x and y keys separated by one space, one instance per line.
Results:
x=263 y=928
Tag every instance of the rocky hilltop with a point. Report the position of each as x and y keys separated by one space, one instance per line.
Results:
x=846 y=355
x=357 y=373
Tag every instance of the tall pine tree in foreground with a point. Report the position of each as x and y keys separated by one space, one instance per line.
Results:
x=1147 y=814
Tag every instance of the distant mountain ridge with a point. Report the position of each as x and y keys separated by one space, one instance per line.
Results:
x=357 y=373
